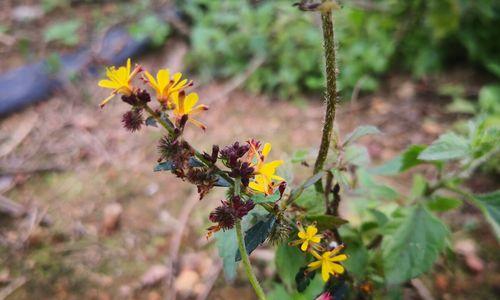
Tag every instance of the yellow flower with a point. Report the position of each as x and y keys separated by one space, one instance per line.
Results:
x=185 y=105
x=307 y=237
x=265 y=173
x=262 y=185
x=328 y=263
x=119 y=80
x=164 y=86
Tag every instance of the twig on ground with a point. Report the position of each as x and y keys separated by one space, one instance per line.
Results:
x=12 y=287
x=239 y=80
x=18 y=135
x=212 y=278
x=175 y=243
x=16 y=210
x=421 y=289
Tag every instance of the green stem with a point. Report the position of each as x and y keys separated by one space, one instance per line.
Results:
x=330 y=93
x=246 y=263
x=243 y=251
x=158 y=119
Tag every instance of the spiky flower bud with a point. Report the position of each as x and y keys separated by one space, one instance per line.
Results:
x=132 y=120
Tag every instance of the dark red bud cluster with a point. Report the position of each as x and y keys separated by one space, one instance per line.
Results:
x=138 y=99
x=230 y=211
x=231 y=157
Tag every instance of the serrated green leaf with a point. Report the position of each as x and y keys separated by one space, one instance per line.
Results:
x=326 y=221
x=447 y=146
x=227 y=245
x=441 y=204
x=414 y=247
x=491 y=208
x=289 y=260
x=257 y=234
x=360 y=132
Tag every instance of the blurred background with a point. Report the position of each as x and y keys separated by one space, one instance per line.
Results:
x=82 y=215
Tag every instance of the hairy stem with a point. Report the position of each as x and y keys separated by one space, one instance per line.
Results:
x=243 y=251
x=330 y=93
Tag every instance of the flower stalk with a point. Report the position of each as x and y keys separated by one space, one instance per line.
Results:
x=330 y=93
x=243 y=251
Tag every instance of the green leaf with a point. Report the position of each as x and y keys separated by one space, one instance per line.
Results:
x=262 y=198
x=300 y=156
x=418 y=187
x=442 y=204
x=490 y=204
x=360 y=132
x=63 y=32
x=150 y=121
x=311 y=201
x=326 y=221
x=410 y=157
x=403 y=162
x=357 y=155
x=289 y=260
x=227 y=245
x=358 y=261
x=373 y=189
x=257 y=234
x=303 y=279
x=310 y=181
x=164 y=166
x=448 y=146
x=414 y=247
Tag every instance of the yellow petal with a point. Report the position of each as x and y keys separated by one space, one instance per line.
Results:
x=316 y=239
x=256 y=187
x=190 y=102
x=304 y=246
x=163 y=77
x=105 y=83
x=302 y=234
x=337 y=268
x=152 y=82
x=315 y=254
x=340 y=257
x=129 y=64
x=197 y=123
x=314 y=264
x=177 y=76
x=311 y=231
x=266 y=149
x=325 y=273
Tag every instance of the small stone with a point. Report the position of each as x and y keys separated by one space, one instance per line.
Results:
x=112 y=216
x=27 y=13
x=154 y=275
x=185 y=282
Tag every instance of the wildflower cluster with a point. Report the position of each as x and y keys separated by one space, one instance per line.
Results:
x=327 y=258
x=244 y=163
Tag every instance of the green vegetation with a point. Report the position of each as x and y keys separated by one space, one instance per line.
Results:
x=419 y=36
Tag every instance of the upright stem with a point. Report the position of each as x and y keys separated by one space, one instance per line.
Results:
x=243 y=251
x=330 y=93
